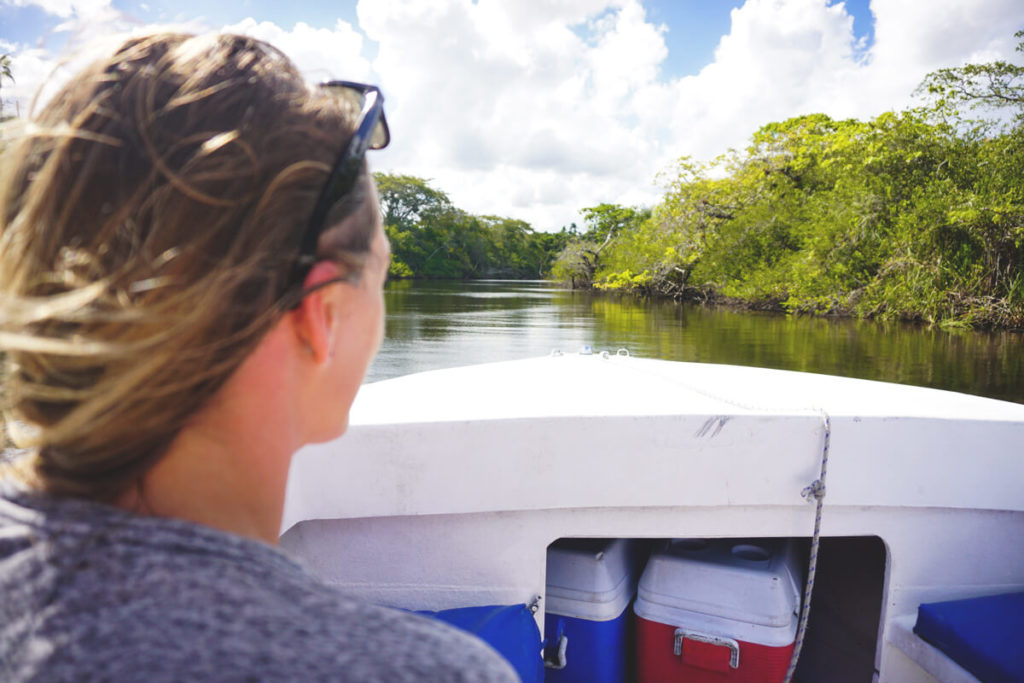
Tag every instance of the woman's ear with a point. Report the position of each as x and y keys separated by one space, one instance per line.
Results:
x=315 y=319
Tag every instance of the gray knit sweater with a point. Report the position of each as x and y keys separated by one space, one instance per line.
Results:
x=91 y=593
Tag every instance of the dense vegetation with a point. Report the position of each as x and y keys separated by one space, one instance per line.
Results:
x=915 y=215
x=431 y=238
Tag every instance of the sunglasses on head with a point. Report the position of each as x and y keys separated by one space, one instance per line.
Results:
x=371 y=133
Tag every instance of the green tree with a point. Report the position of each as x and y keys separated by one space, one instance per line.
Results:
x=994 y=86
x=432 y=238
x=405 y=199
x=581 y=257
x=5 y=72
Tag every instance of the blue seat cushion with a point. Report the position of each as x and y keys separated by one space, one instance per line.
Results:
x=983 y=635
x=509 y=629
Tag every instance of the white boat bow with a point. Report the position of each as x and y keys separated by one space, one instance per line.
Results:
x=451 y=484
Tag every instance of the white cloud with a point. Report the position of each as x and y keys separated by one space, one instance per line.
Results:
x=40 y=71
x=534 y=122
x=781 y=58
x=511 y=111
x=944 y=31
x=64 y=9
x=320 y=54
x=536 y=108
x=82 y=19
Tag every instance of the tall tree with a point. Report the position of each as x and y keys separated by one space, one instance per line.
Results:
x=406 y=199
x=432 y=238
x=997 y=85
x=581 y=258
x=5 y=72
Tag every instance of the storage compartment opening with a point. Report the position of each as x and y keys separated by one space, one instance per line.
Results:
x=842 y=635
x=846 y=610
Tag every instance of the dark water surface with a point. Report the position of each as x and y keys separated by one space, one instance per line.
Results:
x=434 y=325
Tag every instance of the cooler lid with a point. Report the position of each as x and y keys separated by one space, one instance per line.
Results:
x=592 y=578
x=746 y=580
x=591 y=565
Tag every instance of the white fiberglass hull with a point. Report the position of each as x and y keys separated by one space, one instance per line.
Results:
x=451 y=484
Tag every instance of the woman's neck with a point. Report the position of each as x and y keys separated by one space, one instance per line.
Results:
x=228 y=468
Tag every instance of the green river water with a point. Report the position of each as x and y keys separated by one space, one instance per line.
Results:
x=434 y=324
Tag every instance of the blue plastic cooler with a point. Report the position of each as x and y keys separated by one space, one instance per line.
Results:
x=590 y=583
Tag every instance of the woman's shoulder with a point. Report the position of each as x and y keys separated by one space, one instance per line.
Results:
x=180 y=600
x=86 y=541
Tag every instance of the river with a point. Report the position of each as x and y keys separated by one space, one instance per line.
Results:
x=434 y=324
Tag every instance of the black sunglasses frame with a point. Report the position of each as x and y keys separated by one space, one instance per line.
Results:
x=345 y=171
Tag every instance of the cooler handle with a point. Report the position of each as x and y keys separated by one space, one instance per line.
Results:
x=556 y=660
x=719 y=641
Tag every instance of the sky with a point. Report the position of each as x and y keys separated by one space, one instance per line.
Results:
x=534 y=109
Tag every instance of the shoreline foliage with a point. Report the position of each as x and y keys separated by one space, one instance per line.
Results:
x=433 y=239
x=914 y=215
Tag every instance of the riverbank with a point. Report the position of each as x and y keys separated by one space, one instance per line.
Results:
x=999 y=317
x=985 y=316
x=903 y=217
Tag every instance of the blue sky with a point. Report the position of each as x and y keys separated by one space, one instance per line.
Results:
x=696 y=26
x=536 y=108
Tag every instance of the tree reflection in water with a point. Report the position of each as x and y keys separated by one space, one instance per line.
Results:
x=438 y=324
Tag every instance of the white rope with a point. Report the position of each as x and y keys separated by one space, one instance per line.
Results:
x=815 y=491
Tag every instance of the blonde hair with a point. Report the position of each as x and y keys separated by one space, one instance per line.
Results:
x=151 y=216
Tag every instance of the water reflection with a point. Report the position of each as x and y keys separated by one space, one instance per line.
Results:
x=445 y=324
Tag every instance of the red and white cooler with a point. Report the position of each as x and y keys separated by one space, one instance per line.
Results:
x=717 y=610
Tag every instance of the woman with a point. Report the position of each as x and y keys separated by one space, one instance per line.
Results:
x=191 y=273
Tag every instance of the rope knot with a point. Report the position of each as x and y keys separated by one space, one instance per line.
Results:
x=815 y=491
